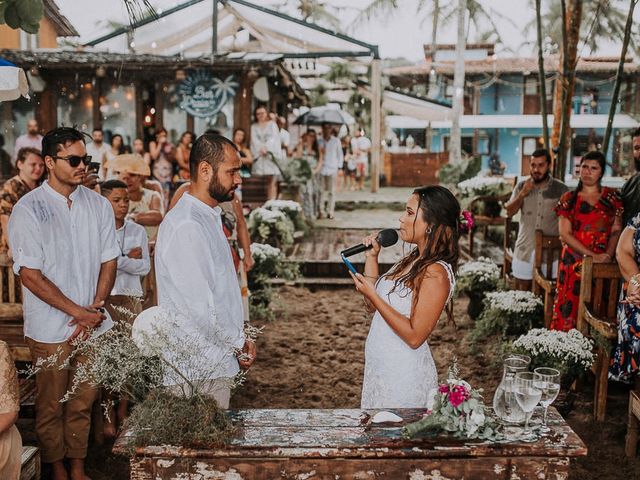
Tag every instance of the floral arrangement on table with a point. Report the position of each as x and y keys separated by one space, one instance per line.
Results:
x=570 y=352
x=270 y=263
x=270 y=226
x=291 y=208
x=481 y=185
x=510 y=312
x=456 y=408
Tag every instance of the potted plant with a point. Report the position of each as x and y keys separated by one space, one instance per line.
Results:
x=481 y=186
x=270 y=226
x=292 y=209
x=474 y=279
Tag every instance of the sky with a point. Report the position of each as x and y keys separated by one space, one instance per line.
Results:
x=400 y=35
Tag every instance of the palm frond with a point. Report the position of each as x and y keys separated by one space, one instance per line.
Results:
x=138 y=10
x=377 y=8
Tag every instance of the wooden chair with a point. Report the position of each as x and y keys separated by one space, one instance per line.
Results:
x=482 y=220
x=633 y=425
x=548 y=250
x=11 y=320
x=257 y=189
x=599 y=293
x=510 y=236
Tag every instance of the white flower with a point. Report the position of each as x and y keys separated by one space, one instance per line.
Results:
x=480 y=184
x=264 y=250
x=282 y=205
x=514 y=301
x=571 y=348
x=266 y=216
x=483 y=270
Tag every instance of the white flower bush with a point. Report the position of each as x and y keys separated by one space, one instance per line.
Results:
x=270 y=226
x=289 y=207
x=514 y=301
x=570 y=352
x=263 y=251
x=481 y=185
x=478 y=276
x=510 y=312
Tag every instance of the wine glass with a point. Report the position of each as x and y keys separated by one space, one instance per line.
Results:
x=548 y=381
x=527 y=395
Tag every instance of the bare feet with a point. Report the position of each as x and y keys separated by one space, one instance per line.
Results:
x=76 y=469
x=58 y=472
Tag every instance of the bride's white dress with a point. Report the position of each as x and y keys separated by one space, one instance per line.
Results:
x=396 y=375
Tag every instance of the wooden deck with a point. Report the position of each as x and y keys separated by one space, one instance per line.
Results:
x=344 y=444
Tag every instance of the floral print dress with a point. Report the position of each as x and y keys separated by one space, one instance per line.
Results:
x=625 y=359
x=591 y=225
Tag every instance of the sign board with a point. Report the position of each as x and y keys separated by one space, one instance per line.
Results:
x=203 y=95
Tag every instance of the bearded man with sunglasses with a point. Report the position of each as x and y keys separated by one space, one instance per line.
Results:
x=64 y=247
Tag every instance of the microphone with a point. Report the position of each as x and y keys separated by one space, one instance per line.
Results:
x=385 y=238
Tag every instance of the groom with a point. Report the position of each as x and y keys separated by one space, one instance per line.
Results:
x=195 y=273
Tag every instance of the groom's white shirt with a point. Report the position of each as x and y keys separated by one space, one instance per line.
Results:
x=198 y=286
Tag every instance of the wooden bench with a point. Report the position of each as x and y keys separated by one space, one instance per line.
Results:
x=548 y=250
x=257 y=189
x=329 y=444
x=597 y=305
x=633 y=425
x=30 y=464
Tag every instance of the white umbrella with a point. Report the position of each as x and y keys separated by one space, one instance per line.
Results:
x=13 y=83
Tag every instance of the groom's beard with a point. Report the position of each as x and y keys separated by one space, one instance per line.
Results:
x=218 y=192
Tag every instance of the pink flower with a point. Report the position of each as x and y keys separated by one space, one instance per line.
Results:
x=443 y=388
x=456 y=397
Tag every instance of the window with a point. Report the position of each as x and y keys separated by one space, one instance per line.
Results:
x=531 y=86
x=14 y=116
x=118 y=112
x=29 y=41
x=75 y=106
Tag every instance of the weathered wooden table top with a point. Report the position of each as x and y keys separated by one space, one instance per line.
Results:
x=350 y=434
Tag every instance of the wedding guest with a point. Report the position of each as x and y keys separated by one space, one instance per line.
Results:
x=138 y=149
x=145 y=206
x=163 y=155
x=285 y=137
x=625 y=359
x=116 y=148
x=125 y=301
x=332 y=161
x=194 y=267
x=265 y=144
x=30 y=172
x=309 y=151
x=97 y=149
x=408 y=301
x=63 y=240
x=10 y=439
x=182 y=155
x=589 y=220
x=240 y=141
x=630 y=192
x=535 y=197
x=361 y=146
x=31 y=139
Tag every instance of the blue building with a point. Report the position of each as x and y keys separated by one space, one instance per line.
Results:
x=502 y=104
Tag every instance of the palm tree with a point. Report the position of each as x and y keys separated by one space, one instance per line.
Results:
x=316 y=12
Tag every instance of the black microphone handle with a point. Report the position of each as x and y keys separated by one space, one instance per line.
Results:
x=348 y=252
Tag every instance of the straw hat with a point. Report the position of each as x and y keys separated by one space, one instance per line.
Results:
x=129 y=163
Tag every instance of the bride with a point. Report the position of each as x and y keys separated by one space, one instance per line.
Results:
x=408 y=301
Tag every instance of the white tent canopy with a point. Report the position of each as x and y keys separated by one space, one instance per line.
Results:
x=410 y=106
x=620 y=120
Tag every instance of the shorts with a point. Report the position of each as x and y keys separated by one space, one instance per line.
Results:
x=524 y=270
x=361 y=169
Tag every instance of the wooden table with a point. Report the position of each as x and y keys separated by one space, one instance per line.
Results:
x=343 y=444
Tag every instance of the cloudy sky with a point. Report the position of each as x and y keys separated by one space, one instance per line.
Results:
x=400 y=35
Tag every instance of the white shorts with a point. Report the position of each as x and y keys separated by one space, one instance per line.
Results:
x=524 y=270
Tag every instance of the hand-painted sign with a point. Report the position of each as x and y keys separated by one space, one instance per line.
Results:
x=203 y=95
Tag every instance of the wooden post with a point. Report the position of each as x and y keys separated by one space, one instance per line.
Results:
x=376 y=118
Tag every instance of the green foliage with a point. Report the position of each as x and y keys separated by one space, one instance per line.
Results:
x=450 y=175
x=318 y=96
x=272 y=227
x=22 y=14
x=166 y=419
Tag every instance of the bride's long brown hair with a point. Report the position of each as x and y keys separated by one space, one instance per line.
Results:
x=441 y=211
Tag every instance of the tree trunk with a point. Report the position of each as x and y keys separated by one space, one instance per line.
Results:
x=561 y=135
x=616 y=88
x=542 y=79
x=455 y=147
x=434 y=46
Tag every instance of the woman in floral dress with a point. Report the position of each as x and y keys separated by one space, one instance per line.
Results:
x=625 y=360
x=10 y=440
x=590 y=223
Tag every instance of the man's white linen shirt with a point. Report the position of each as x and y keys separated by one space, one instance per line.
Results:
x=333 y=157
x=198 y=285
x=68 y=245
x=130 y=270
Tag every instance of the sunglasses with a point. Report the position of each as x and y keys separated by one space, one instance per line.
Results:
x=74 y=160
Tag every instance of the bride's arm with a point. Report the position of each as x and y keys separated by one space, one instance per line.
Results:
x=432 y=296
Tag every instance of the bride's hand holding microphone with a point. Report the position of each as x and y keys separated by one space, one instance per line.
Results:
x=365 y=285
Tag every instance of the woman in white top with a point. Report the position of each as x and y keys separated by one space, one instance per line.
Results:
x=408 y=301
x=265 y=144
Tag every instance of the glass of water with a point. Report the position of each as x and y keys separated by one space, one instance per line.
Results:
x=548 y=381
x=527 y=395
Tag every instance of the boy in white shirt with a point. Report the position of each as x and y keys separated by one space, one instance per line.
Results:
x=125 y=301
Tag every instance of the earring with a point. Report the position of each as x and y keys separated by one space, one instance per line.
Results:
x=429 y=230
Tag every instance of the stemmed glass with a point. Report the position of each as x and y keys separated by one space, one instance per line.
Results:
x=527 y=395
x=548 y=381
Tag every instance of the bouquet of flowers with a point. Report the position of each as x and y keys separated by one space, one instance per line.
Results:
x=292 y=209
x=570 y=352
x=510 y=312
x=270 y=226
x=297 y=172
x=480 y=185
x=456 y=408
x=478 y=276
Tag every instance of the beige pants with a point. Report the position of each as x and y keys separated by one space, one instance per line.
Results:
x=219 y=389
x=62 y=428
x=123 y=308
